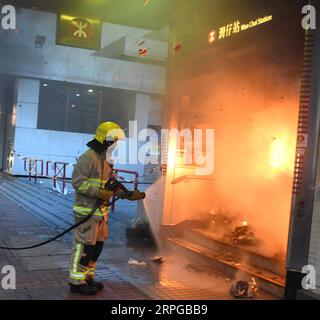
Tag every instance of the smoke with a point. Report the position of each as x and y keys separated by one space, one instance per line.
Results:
x=246 y=88
x=254 y=112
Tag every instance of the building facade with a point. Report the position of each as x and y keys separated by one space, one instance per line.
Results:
x=54 y=96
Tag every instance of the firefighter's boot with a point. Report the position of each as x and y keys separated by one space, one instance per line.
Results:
x=93 y=265
x=98 y=285
x=84 y=289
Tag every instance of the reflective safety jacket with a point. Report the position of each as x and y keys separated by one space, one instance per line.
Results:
x=90 y=174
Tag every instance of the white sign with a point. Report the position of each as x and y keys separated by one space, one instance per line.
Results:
x=8 y=281
x=8 y=17
x=309 y=281
x=309 y=21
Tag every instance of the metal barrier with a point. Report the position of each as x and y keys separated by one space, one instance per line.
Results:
x=60 y=174
x=31 y=166
x=60 y=171
x=47 y=167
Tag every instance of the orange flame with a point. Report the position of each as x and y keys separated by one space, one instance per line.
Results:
x=280 y=155
x=245 y=223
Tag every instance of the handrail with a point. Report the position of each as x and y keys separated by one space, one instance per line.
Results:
x=135 y=173
x=187 y=178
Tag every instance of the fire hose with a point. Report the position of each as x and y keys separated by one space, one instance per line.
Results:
x=112 y=185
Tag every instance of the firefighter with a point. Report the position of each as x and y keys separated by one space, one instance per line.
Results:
x=92 y=171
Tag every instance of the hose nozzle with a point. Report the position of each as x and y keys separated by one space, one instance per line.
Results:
x=136 y=196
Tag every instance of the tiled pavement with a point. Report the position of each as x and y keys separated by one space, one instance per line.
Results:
x=31 y=213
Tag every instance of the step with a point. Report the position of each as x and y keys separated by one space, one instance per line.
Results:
x=265 y=279
x=209 y=240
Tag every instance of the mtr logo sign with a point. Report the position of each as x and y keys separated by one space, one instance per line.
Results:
x=80 y=28
x=79 y=32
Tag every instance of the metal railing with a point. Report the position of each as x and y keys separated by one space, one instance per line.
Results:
x=60 y=174
x=32 y=168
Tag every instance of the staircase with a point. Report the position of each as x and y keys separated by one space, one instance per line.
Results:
x=202 y=245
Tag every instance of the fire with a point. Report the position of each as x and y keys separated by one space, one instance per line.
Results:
x=172 y=155
x=280 y=155
x=245 y=223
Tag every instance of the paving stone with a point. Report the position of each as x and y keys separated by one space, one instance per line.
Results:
x=31 y=213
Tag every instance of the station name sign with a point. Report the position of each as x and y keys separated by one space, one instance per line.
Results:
x=236 y=27
x=256 y=22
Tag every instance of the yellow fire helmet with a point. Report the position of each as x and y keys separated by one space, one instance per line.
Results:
x=109 y=131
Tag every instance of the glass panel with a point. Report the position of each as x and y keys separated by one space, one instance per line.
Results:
x=80 y=108
x=52 y=105
x=118 y=106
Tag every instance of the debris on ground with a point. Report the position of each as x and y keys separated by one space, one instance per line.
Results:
x=136 y=263
x=220 y=222
x=220 y=219
x=231 y=229
x=244 y=289
x=196 y=268
x=205 y=269
x=229 y=257
x=244 y=235
x=158 y=259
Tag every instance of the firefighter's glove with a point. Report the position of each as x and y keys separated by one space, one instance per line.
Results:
x=105 y=195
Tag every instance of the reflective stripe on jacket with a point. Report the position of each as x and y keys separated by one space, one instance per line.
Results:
x=90 y=174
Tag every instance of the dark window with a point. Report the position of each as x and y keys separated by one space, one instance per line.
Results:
x=82 y=109
x=52 y=106
x=118 y=106
x=79 y=108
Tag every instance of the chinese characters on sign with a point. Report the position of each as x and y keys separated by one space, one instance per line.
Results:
x=79 y=32
x=212 y=36
x=236 y=27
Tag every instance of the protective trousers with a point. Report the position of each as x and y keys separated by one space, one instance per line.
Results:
x=88 y=244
